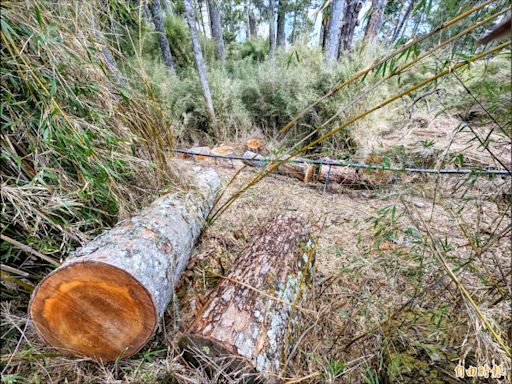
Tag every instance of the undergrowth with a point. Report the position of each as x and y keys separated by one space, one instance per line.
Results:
x=79 y=150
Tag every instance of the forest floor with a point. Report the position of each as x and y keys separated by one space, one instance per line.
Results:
x=384 y=308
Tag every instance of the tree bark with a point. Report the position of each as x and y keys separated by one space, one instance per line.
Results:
x=253 y=29
x=302 y=171
x=332 y=40
x=162 y=36
x=201 y=69
x=271 y=29
x=107 y=298
x=338 y=175
x=216 y=28
x=281 y=23
x=323 y=29
x=167 y=7
x=374 y=22
x=293 y=36
x=398 y=29
x=240 y=323
x=350 y=21
x=201 y=18
x=108 y=58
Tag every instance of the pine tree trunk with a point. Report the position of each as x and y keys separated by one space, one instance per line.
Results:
x=201 y=18
x=398 y=29
x=339 y=175
x=253 y=28
x=162 y=36
x=106 y=299
x=108 y=58
x=271 y=29
x=281 y=23
x=332 y=40
x=240 y=323
x=216 y=28
x=201 y=68
x=374 y=22
x=294 y=29
x=350 y=21
x=323 y=29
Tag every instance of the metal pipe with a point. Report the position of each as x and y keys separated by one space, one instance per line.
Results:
x=477 y=171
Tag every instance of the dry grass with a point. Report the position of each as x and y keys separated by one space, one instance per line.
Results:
x=384 y=308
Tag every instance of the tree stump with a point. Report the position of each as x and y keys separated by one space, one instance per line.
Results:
x=301 y=171
x=241 y=329
x=253 y=145
x=106 y=300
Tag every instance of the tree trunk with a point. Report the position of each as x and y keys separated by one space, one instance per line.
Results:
x=201 y=69
x=323 y=29
x=167 y=7
x=216 y=29
x=332 y=40
x=374 y=22
x=271 y=29
x=294 y=28
x=350 y=21
x=281 y=23
x=106 y=300
x=108 y=58
x=201 y=18
x=145 y=13
x=162 y=37
x=302 y=171
x=339 y=175
x=398 y=29
x=241 y=323
x=253 y=28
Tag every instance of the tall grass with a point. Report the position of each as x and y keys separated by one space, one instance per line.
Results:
x=79 y=150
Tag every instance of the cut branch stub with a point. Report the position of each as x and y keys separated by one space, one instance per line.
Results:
x=106 y=300
x=248 y=316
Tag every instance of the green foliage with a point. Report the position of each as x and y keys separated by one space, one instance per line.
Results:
x=70 y=134
x=490 y=85
x=179 y=39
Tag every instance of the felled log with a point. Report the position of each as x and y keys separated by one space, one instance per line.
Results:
x=338 y=175
x=301 y=171
x=202 y=150
x=241 y=329
x=375 y=176
x=107 y=298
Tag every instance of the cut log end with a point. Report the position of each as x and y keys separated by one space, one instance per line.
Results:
x=93 y=309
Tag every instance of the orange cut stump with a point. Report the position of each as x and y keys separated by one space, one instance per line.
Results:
x=93 y=309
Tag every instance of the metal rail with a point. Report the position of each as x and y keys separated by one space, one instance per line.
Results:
x=476 y=171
